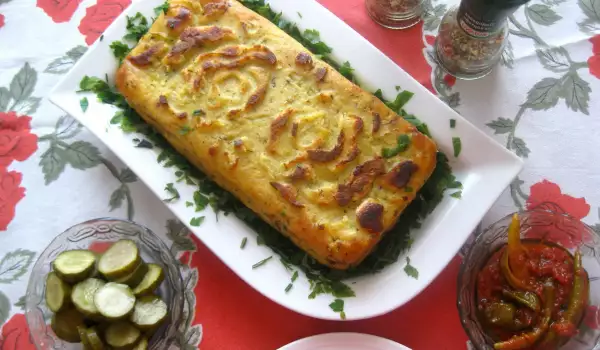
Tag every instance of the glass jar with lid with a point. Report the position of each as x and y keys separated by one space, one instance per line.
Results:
x=395 y=14
x=472 y=36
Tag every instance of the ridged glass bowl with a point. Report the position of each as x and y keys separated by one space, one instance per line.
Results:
x=548 y=222
x=97 y=235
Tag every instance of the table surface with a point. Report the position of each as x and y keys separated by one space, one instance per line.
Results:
x=542 y=102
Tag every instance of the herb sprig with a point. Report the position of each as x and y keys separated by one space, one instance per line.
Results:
x=322 y=279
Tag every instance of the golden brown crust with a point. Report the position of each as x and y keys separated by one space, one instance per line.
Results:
x=314 y=174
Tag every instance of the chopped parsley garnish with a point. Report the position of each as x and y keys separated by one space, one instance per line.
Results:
x=161 y=8
x=456 y=144
x=200 y=200
x=189 y=204
x=84 y=103
x=184 y=130
x=347 y=70
x=408 y=189
x=136 y=27
x=197 y=221
x=291 y=284
x=403 y=143
x=338 y=306
x=398 y=88
x=299 y=14
x=262 y=262
x=143 y=143
x=452 y=123
x=101 y=37
x=401 y=99
x=243 y=244
x=120 y=50
x=172 y=191
x=322 y=279
x=198 y=112
x=457 y=195
x=411 y=270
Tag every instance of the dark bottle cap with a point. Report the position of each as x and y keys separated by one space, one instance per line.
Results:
x=480 y=18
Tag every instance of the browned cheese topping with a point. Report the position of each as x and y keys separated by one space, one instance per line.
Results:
x=162 y=101
x=145 y=57
x=321 y=73
x=301 y=172
x=400 y=174
x=370 y=216
x=361 y=179
x=182 y=15
x=376 y=122
x=288 y=192
x=324 y=156
x=304 y=59
x=277 y=126
x=215 y=8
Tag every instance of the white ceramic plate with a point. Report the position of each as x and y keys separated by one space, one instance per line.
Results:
x=484 y=167
x=344 y=341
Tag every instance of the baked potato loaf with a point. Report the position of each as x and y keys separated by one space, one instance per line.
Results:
x=317 y=157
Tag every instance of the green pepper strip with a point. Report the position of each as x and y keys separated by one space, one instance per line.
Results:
x=528 y=339
x=514 y=282
x=577 y=303
x=527 y=299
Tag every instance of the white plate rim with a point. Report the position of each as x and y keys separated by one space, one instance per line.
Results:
x=497 y=164
x=345 y=339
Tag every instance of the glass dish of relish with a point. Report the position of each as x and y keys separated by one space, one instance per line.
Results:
x=529 y=281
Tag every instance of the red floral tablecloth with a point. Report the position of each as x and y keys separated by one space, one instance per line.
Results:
x=542 y=102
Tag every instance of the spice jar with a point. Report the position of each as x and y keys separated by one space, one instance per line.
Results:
x=472 y=36
x=395 y=14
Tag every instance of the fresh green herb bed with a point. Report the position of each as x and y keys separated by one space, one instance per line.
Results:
x=323 y=280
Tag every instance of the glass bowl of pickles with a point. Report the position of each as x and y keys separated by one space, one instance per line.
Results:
x=532 y=281
x=105 y=284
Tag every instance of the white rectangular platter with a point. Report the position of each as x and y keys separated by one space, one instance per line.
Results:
x=484 y=167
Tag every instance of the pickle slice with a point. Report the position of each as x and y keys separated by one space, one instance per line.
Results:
x=114 y=301
x=83 y=336
x=93 y=339
x=83 y=296
x=57 y=292
x=142 y=344
x=149 y=312
x=122 y=335
x=73 y=266
x=64 y=324
x=151 y=281
x=119 y=260
x=134 y=278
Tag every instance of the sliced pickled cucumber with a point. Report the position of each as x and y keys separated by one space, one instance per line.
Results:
x=151 y=281
x=93 y=339
x=119 y=260
x=134 y=278
x=83 y=296
x=73 y=266
x=149 y=312
x=142 y=344
x=83 y=336
x=114 y=301
x=122 y=335
x=64 y=324
x=57 y=292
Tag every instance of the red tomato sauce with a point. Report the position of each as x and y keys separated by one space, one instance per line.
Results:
x=542 y=261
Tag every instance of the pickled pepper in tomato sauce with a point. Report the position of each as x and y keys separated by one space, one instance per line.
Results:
x=531 y=294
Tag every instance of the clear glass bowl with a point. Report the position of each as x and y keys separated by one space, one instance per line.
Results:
x=97 y=235
x=546 y=221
